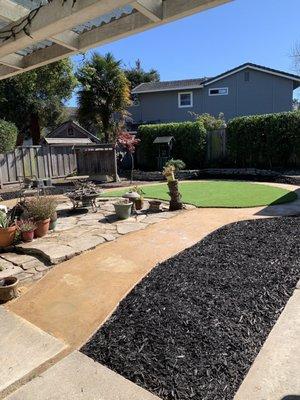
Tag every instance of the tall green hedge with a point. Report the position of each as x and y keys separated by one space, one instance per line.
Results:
x=189 y=146
x=271 y=140
x=8 y=136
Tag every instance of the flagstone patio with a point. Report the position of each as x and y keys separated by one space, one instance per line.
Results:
x=76 y=232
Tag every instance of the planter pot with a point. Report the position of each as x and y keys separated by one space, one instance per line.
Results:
x=123 y=211
x=52 y=225
x=42 y=228
x=7 y=236
x=154 y=205
x=8 y=288
x=139 y=204
x=27 y=236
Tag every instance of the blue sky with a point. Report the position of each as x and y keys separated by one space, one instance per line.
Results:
x=211 y=42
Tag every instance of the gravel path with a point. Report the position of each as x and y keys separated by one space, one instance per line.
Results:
x=193 y=326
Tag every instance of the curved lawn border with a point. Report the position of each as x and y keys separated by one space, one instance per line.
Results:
x=192 y=328
x=219 y=194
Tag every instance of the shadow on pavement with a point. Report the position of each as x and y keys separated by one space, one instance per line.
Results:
x=283 y=210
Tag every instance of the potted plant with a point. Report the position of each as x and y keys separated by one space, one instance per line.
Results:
x=123 y=209
x=27 y=228
x=8 y=288
x=53 y=221
x=139 y=203
x=7 y=230
x=41 y=209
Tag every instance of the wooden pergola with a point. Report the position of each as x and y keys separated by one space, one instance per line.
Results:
x=60 y=30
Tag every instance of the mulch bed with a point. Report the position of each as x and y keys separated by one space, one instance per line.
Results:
x=192 y=328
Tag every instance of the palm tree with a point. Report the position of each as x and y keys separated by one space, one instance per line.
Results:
x=104 y=94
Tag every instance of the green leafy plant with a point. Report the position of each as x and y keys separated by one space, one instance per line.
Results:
x=8 y=136
x=26 y=225
x=41 y=208
x=267 y=141
x=177 y=164
x=189 y=145
x=139 y=190
x=5 y=220
x=210 y=122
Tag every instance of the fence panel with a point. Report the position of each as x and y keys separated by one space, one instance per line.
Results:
x=97 y=160
x=39 y=161
x=216 y=145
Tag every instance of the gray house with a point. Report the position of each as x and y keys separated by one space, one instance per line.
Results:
x=245 y=90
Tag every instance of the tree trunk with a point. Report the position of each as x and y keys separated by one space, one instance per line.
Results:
x=34 y=129
x=132 y=168
x=175 y=202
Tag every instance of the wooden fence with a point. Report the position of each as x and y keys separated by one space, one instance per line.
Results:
x=97 y=160
x=56 y=162
x=216 y=146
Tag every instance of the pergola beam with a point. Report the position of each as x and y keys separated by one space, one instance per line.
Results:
x=10 y=11
x=56 y=18
x=153 y=9
x=69 y=42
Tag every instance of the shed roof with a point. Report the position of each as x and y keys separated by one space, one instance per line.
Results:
x=163 y=139
x=68 y=141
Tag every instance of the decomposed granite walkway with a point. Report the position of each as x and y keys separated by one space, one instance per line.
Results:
x=78 y=295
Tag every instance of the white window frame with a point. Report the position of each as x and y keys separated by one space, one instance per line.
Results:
x=191 y=103
x=218 y=94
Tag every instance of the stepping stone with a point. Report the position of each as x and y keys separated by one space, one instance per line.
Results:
x=52 y=251
x=85 y=243
x=8 y=269
x=23 y=348
x=127 y=227
x=78 y=377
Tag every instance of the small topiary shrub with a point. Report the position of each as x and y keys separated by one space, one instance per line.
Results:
x=267 y=141
x=8 y=136
x=177 y=164
x=189 y=146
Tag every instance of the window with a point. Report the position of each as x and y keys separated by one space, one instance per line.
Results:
x=135 y=101
x=185 y=100
x=218 y=91
x=71 y=131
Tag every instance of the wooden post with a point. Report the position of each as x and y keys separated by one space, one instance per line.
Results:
x=115 y=166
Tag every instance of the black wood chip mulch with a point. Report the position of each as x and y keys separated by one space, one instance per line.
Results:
x=193 y=326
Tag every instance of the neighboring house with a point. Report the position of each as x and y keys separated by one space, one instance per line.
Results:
x=245 y=90
x=70 y=134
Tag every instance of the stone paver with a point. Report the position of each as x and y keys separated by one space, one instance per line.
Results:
x=23 y=347
x=78 y=377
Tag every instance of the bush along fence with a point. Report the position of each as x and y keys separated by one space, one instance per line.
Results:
x=260 y=141
x=189 y=145
x=57 y=162
x=266 y=141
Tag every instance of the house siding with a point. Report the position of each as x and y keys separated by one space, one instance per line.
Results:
x=263 y=93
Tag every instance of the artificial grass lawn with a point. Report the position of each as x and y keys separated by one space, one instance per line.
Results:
x=219 y=194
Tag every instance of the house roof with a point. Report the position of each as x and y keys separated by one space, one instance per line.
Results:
x=89 y=135
x=201 y=82
x=68 y=141
x=169 y=85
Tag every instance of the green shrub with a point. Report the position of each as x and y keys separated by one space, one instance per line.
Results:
x=210 y=122
x=8 y=136
x=189 y=146
x=177 y=164
x=268 y=141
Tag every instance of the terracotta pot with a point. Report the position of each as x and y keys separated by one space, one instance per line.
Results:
x=42 y=228
x=8 y=288
x=139 y=204
x=154 y=205
x=27 y=236
x=7 y=236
